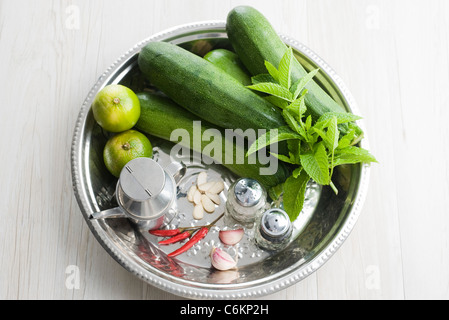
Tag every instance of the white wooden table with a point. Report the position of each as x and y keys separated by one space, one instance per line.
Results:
x=393 y=55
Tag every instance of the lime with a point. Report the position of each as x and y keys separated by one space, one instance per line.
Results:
x=116 y=108
x=124 y=147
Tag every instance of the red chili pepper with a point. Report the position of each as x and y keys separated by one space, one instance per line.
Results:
x=165 y=233
x=194 y=240
x=176 y=238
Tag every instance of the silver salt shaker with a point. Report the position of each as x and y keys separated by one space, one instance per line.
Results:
x=246 y=198
x=273 y=230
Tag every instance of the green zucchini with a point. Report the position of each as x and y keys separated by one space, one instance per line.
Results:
x=160 y=116
x=206 y=90
x=255 y=41
x=229 y=61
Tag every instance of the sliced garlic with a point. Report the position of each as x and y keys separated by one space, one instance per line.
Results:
x=191 y=193
x=222 y=260
x=214 y=197
x=202 y=178
x=208 y=205
x=206 y=186
x=204 y=195
x=198 y=212
x=217 y=187
x=197 y=197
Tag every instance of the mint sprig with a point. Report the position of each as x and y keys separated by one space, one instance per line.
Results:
x=314 y=147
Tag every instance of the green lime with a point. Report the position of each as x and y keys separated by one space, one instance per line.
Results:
x=116 y=108
x=124 y=147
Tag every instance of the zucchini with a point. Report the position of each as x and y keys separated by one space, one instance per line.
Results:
x=229 y=61
x=206 y=90
x=255 y=41
x=160 y=116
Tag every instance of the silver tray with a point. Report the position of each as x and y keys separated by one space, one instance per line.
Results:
x=323 y=226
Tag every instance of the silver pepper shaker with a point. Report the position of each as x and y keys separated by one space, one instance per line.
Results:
x=273 y=230
x=246 y=198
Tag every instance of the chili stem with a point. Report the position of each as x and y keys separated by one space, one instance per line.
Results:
x=198 y=236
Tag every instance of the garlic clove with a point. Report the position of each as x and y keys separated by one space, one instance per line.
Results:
x=202 y=178
x=207 y=203
x=217 y=187
x=197 y=197
x=221 y=260
x=214 y=197
x=231 y=237
x=206 y=186
x=198 y=212
x=191 y=193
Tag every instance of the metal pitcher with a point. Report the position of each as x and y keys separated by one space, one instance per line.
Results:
x=146 y=193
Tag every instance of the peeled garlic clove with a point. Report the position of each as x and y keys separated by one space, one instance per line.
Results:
x=208 y=205
x=222 y=260
x=214 y=197
x=198 y=212
x=231 y=237
x=191 y=193
x=217 y=187
x=202 y=178
x=197 y=197
x=206 y=186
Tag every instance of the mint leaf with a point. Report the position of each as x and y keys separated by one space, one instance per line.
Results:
x=271 y=137
x=276 y=191
x=278 y=102
x=313 y=138
x=299 y=85
x=291 y=121
x=308 y=123
x=332 y=137
x=346 y=140
x=316 y=164
x=297 y=172
x=321 y=125
x=284 y=158
x=261 y=78
x=294 y=148
x=298 y=108
x=342 y=117
x=285 y=69
x=272 y=70
x=332 y=134
x=352 y=155
x=294 y=194
x=273 y=89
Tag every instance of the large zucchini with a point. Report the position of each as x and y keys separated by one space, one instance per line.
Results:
x=255 y=41
x=206 y=90
x=160 y=116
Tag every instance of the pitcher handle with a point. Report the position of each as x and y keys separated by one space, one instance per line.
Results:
x=176 y=170
x=109 y=213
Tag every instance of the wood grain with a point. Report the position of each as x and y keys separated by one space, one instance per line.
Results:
x=394 y=57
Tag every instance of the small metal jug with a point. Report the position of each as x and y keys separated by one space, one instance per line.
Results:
x=146 y=193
